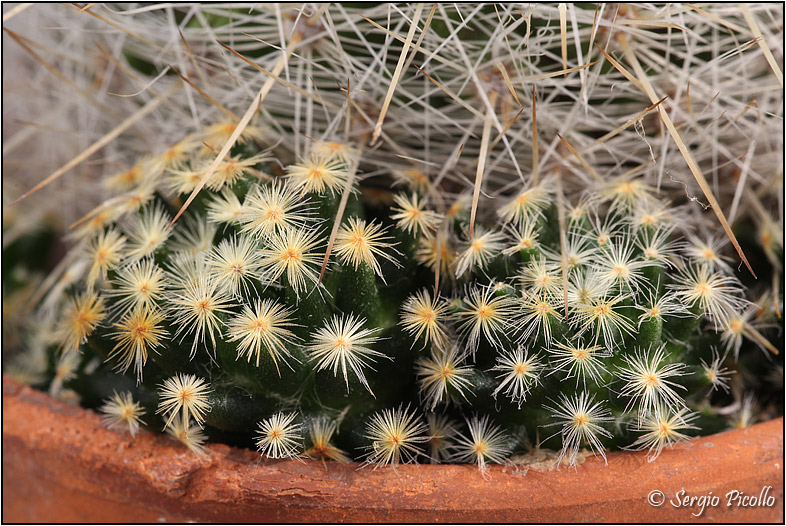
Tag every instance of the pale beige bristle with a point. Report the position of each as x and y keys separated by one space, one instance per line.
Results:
x=760 y=339
x=627 y=74
x=505 y=129
x=689 y=103
x=231 y=115
x=594 y=30
x=194 y=61
x=501 y=67
x=528 y=19
x=54 y=276
x=87 y=6
x=729 y=25
x=452 y=95
x=535 y=152
x=751 y=104
x=636 y=169
x=617 y=130
x=118 y=64
x=710 y=102
x=499 y=136
x=390 y=143
x=563 y=33
x=741 y=182
x=751 y=20
x=438 y=250
x=533 y=78
x=321 y=11
x=95 y=211
x=15 y=11
x=694 y=168
x=563 y=241
x=484 y=148
x=339 y=215
x=348 y=116
x=587 y=166
x=648 y=23
x=417 y=44
x=396 y=74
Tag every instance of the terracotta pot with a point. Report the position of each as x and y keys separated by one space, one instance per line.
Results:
x=61 y=465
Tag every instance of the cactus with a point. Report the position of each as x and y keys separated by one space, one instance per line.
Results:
x=600 y=332
x=286 y=296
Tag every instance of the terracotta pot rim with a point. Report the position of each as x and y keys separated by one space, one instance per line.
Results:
x=42 y=435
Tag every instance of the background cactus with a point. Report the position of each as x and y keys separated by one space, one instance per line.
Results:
x=301 y=305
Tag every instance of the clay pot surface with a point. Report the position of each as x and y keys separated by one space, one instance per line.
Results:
x=61 y=465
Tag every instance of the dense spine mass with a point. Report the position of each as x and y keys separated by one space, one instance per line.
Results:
x=304 y=305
